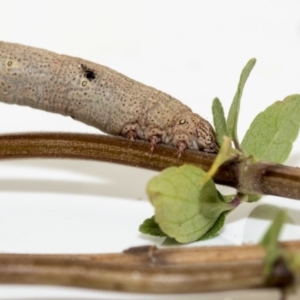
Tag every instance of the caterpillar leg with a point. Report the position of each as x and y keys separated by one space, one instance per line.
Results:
x=154 y=140
x=181 y=146
x=155 y=136
x=131 y=132
x=131 y=135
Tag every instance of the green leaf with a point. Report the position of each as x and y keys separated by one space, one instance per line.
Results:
x=184 y=209
x=273 y=131
x=209 y=235
x=232 y=119
x=216 y=228
x=149 y=226
x=219 y=120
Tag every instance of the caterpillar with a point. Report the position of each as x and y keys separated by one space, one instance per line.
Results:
x=101 y=97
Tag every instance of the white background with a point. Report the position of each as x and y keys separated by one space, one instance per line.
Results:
x=193 y=50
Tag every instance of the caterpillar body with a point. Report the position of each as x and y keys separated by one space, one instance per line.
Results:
x=100 y=97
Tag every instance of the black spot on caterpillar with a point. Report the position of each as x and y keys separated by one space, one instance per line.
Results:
x=88 y=73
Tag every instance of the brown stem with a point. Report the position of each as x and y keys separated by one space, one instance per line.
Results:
x=146 y=269
x=259 y=178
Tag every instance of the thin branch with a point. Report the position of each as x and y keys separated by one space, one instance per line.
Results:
x=146 y=269
x=259 y=178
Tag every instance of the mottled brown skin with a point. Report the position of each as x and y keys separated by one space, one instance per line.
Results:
x=100 y=97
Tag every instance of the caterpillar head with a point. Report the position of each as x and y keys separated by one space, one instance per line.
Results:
x=193 y=132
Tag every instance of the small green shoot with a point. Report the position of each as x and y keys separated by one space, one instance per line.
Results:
x=279 y=264
x=270 y=240
x=188 y=207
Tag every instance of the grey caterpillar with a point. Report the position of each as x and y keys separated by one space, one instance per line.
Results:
x=101 y=97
